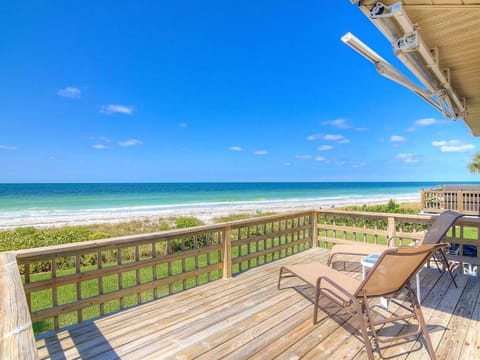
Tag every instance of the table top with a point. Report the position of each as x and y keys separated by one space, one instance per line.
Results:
x=369 y=260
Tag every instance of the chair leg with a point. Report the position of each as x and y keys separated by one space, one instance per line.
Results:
x=437 y=262
x=370 y=324
x=317 y=303
x=445 y=260
x=421 y=322
x=364 y=328
x=279 y=278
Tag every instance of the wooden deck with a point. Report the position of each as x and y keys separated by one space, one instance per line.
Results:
x=247 y=317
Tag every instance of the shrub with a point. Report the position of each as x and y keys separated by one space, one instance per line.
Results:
x=99 y=235
x=391 y=207
x=186 y=222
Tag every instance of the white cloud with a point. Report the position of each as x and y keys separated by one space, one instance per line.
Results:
x=260 y=152
x=359 y=165
x=397 y=138
x=70 y=92
x=447 y=146
x=438 y=143
x=422 y=123
x=99 y=146
x=325 y=147
x=426 y=122
x=338 y=123
x=407 y=158
x=235 y=148
x=7 y=147
x=333 y=137
x=340 y=139
x=130 y=142
x=304 y=157
x=320 y=158
x=329 y=137
x=314 y=137
x=115 y=108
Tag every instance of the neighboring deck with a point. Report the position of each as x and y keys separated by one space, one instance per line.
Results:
x=462 y=198
x=247 y=317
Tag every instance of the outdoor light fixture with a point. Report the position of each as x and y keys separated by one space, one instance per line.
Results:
x=408 y=46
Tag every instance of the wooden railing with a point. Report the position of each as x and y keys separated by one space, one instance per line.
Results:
x=16 y=333
x=70 y=283
x=438 y=200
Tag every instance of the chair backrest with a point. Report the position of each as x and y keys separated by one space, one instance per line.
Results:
x=394 y=268
x=440 y=226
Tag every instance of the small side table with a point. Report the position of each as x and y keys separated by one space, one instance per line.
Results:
x=370 y=260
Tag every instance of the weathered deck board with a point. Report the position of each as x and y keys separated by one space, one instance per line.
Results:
x=452 y=346
x=434 y=290
x=247 y=317
x=471 y=346
x=438 y=310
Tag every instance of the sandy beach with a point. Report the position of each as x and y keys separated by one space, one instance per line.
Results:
x=205 y=212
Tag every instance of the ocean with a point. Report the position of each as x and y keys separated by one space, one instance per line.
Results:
x=59 y=204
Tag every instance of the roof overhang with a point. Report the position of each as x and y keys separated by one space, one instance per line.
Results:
x=439 y=42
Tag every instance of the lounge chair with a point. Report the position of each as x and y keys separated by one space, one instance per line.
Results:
x=434 y=235
x=390 y=274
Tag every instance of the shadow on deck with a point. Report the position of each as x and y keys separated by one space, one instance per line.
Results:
x=247 y=317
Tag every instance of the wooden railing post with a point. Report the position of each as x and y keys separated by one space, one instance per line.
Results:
x=314 y=229
x=460 y=201
x=422 y=199
x=16 y=334
x=390 y=227
x=227 y=252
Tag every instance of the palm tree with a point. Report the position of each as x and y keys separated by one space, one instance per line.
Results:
x=474 y=165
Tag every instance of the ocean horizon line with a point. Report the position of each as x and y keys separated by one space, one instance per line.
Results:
x=238 y=182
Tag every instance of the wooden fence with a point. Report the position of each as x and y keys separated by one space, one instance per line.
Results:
x=70 y=283
x=16 y=333
x=461 y=200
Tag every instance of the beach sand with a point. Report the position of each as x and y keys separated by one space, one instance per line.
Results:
x=204 y=212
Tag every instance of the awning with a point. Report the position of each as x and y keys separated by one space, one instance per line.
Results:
x=439 y=41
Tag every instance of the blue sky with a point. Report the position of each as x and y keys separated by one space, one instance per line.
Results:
x=127 y=91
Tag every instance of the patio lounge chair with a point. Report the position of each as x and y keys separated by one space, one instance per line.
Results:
x=390 y=274
x=434 y=235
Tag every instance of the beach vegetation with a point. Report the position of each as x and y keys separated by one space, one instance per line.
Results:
x=30 y=237
x=391 y=207
x=235 y=217
x=186 y=222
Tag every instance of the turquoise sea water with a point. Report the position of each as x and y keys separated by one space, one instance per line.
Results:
x=21 y=197
x=18 y=197
x=83 y=200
